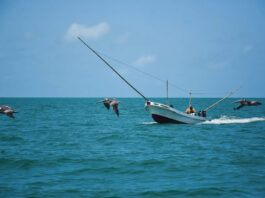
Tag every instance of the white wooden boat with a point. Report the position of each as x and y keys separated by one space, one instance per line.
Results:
x=165 y=114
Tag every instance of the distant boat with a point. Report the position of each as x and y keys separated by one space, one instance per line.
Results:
x=164 y=113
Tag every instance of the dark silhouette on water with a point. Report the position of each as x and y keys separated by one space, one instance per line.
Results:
x=7 y=110
x=244 y=102
x=111 y=102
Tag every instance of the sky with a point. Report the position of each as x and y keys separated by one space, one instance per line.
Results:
x=210 y=47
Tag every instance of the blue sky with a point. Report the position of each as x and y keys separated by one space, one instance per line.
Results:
x=210 y=47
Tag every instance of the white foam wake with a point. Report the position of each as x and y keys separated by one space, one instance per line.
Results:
x=149 y=123
x=233 y=120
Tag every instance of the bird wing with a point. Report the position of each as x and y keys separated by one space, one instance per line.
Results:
x=106 y=105
x=101 y=101
x=237 y=101
x=239 y=107
x=10 y=114
x=106 y=102
x=115 y=109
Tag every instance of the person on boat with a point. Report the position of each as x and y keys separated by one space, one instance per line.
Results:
x=190 y=110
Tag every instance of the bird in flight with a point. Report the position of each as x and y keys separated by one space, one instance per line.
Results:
x=244 y=102
x=111 y=102
x=7 y=110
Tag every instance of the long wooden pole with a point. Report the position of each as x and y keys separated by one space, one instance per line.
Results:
x=222 y=99
x=167 y=92
x=190 y=98
x=113 y=69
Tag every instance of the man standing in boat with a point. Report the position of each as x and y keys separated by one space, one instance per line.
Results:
x=190 y=110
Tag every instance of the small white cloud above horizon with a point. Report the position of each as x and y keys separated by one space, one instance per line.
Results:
x=87 y=32
x=144 y=60
x=247 y=48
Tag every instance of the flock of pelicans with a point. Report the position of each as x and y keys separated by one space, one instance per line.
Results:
x=108 y=102
x=111 y=102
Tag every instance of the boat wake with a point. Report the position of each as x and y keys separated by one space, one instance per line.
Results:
x=149 y=123
x=233 y=120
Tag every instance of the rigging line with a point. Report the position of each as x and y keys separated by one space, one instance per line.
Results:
x=231 y=93
x=157 y=78
x=148 y=74
x=112 y=69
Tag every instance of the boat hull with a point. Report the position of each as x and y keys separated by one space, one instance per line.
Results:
x=165 y=114
x=162 y=119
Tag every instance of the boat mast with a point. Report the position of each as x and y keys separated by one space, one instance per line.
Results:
x=167 y=92
x=190 y=98
x=112 y=69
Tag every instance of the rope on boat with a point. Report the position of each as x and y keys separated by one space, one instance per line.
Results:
x=143 y=72
x=222 y=99
x=198 y=92
x=113 y=69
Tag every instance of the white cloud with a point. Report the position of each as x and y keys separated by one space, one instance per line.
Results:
x=247 y=48
x=92 y=32
x=144 y=60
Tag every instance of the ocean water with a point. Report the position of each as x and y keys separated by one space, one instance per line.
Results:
x=73 y=147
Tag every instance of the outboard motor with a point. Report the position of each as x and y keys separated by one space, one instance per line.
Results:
x=204 y=114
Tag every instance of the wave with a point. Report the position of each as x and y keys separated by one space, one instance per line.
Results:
x=149 y=123
x=234 y=120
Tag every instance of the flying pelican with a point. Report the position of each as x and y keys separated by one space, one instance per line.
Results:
x=244 y=102
x=111 y=102
x=7 y=110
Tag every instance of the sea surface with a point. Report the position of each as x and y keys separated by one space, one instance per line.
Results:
x=73 y=147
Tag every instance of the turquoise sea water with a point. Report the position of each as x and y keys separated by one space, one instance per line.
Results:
x=71 y=147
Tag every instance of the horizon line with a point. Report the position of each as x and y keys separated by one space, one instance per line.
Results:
x=114 y=97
